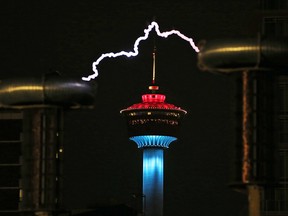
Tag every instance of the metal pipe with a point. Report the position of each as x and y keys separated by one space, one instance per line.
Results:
x=230 y=55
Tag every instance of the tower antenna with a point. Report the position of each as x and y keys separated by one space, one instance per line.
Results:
x=154 y=87
x=154 y=66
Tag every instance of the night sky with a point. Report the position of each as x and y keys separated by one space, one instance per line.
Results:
x=101 y=165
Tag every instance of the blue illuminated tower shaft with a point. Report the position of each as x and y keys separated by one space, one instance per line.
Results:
x=153 y=171
x=153 y=178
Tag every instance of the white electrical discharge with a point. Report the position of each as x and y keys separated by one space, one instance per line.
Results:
x=135 y=52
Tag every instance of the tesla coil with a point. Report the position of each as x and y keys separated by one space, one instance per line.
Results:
x=260 y=71
x=32 y=110
x=153 y=125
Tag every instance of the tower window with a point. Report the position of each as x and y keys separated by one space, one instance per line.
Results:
x=274 y=4
x=282 y=110
x=283 y=164
x=276 y=26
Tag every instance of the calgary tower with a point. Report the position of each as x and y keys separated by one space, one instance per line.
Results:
x=153 y=124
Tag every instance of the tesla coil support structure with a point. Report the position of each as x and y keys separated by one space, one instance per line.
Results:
x=261 y=106
x=38 y=105
x=153 y=124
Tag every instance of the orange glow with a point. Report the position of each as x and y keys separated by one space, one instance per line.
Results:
x=235 y=49
x=24 y=88
x=154 y=87
x=246 y=166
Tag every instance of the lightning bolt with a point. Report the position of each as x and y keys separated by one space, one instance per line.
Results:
x=135 y=52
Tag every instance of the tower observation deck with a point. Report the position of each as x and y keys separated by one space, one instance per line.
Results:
x=153 y=124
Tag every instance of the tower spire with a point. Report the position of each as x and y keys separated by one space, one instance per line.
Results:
x=154 y=87
x=154 y=66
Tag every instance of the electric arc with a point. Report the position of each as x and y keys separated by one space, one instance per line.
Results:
x=135 y=52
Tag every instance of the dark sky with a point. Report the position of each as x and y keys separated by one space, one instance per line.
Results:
x=101 y=165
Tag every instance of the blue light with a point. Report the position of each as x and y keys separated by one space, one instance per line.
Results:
x=153 y=163
x=153 y=141
x=153 y=171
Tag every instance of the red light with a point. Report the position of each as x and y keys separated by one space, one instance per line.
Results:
x=154 y=88
x=150 y=98
x=154 y=101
